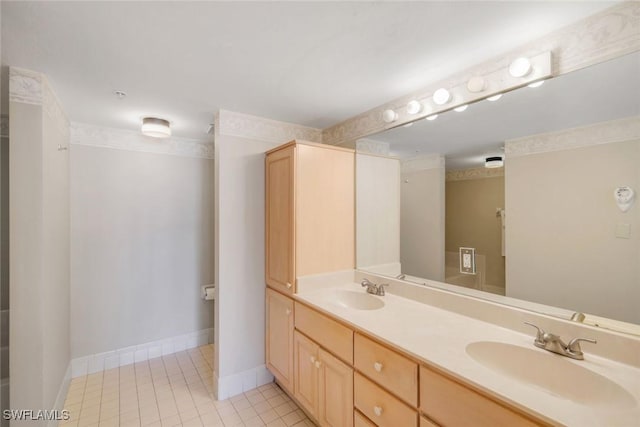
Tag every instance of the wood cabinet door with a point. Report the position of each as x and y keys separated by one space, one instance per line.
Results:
x=335 y=389
x=305 y=377
x=280 y=219
x=279 y=337
x=325 y=209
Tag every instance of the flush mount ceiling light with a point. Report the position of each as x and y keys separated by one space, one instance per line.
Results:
x=441 y=96
x=414 y=107
x=461 y=108
x=493 y=162
x=476 y=84
x=157 y=128
x=520 y=67
x=494 y=97
x=389 y=116
x=432 y=117
x=536 y=84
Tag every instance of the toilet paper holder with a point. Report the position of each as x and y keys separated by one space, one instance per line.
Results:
x=208 y=292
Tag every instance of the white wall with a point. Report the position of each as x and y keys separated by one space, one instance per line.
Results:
x=378 y=214
x=561 y=220
x=39 y=243
x=422 y=226
x=141 y=240
x=241 y=142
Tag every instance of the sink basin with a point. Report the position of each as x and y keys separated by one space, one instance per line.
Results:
x=551 y=373
x=357 y=300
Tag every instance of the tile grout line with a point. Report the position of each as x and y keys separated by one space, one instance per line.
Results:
x=155 y=393
x=175 y=403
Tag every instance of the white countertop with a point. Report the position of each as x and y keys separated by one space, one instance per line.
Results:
x=439 y=338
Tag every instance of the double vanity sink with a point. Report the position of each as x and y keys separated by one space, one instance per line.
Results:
x=356 y=300
x=500 y=362
x=552 y=374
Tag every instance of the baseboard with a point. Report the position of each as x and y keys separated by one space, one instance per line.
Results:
x=125 y=356
x=235 y=384
x=62 y=395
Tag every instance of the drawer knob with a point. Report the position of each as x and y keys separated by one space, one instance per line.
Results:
x=377 y=366
x=377 y=410
x=288 y=285
x=312 y=359
x=288 y=311
x=318 y=364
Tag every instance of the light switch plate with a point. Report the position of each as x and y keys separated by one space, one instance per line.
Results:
x=467 y=260
x=623 y=231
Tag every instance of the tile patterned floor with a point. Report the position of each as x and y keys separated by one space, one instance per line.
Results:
x=173 y=390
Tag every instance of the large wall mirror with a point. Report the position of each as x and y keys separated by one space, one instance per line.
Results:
x=542 y=230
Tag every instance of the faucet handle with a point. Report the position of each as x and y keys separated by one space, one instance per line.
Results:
x=540 y=335
x=574 y=344
x=381 y=288
x=366 y=282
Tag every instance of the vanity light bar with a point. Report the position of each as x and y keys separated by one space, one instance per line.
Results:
x=521 y=72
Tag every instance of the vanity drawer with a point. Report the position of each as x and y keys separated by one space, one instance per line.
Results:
x=451 y=404
x=391 y=370
x=335 y=337
x=360 y=420
x=380 y=406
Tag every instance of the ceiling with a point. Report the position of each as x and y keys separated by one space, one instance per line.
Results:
x=606 y=91
x=311 y=63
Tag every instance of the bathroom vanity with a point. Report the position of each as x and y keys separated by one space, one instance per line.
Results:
x=419 y=355
x=364 y=360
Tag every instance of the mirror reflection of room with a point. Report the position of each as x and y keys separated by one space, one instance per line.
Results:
x=474 y=219
x=513 y=197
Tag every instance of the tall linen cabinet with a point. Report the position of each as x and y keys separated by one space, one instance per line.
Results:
x=310 y=226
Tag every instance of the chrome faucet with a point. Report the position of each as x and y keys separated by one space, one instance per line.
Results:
x=372 y=288
x=553 y=343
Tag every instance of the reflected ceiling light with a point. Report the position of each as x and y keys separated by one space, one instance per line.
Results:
x=461 y=108
x=432 y=117
x=494 y=97
x=520 y=67
x=414 y=107
x=476 y=84
x=536 y=84
x=441 y=96
x=157 y=128
x=389 y=116
x=493 y=162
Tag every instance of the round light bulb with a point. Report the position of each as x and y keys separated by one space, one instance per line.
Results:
x=494 y=97
x=520 y=67
x=432 y=117
x=414 y=107
x=476 y=84
x=536 y=84
x=389 y=116
x=461 y=108
x=441 y=96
